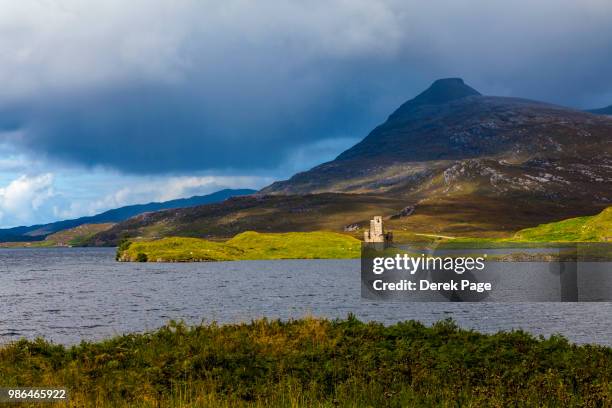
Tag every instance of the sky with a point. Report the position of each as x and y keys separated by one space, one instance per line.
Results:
x=111 y=103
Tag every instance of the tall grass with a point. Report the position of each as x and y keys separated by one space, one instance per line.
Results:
x=316 y=362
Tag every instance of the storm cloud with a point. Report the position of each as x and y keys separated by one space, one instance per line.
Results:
x=180 y=86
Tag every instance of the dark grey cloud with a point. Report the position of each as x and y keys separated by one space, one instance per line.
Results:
x=149 y=129
x=158 y=87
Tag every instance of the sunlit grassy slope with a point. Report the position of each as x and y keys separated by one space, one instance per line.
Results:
x=327 y=245
x=595 y=228
x=245 y=246
x=78 y=235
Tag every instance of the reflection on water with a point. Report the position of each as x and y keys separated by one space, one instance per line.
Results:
x=74 y=294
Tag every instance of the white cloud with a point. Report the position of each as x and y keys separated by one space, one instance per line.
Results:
x=24 y=197
x=140 y=190
x=48 y=197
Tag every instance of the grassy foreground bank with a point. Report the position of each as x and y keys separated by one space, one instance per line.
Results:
x=316 y=362
x=246 y=246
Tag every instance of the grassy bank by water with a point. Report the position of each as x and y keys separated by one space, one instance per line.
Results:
x=316 y=362
x=246 y=246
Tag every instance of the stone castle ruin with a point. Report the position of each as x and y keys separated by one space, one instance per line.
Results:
x=376 y=233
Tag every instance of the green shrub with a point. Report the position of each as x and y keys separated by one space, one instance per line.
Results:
x=123 y=246
x=317 y=362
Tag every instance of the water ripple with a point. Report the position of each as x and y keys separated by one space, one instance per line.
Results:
x=73 y=294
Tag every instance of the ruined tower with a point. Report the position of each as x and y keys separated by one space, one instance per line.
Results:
x=377 y=232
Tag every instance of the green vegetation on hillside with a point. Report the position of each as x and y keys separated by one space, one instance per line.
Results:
x=316 y=362
x=246 y=246
x=77 y=236
x=594 y=228
x=312 y=245
x=27 y=244
x=269 y=214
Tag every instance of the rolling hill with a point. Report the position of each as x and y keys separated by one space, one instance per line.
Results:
x=40 y=232
x=293 y=213
x=595 y=228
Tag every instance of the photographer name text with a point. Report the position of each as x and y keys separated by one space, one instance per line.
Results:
x=425 y=285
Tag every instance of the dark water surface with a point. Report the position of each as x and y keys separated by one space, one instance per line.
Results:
x=73 y=294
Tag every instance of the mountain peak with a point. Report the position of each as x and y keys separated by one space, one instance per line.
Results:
x=441 y=91
x=445 y=90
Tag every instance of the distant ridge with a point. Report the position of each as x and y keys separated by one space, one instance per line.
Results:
x=602 y=111
x=40 y=232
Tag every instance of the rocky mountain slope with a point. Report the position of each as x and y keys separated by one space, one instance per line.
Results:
x=450 y=161
x=496 y=145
